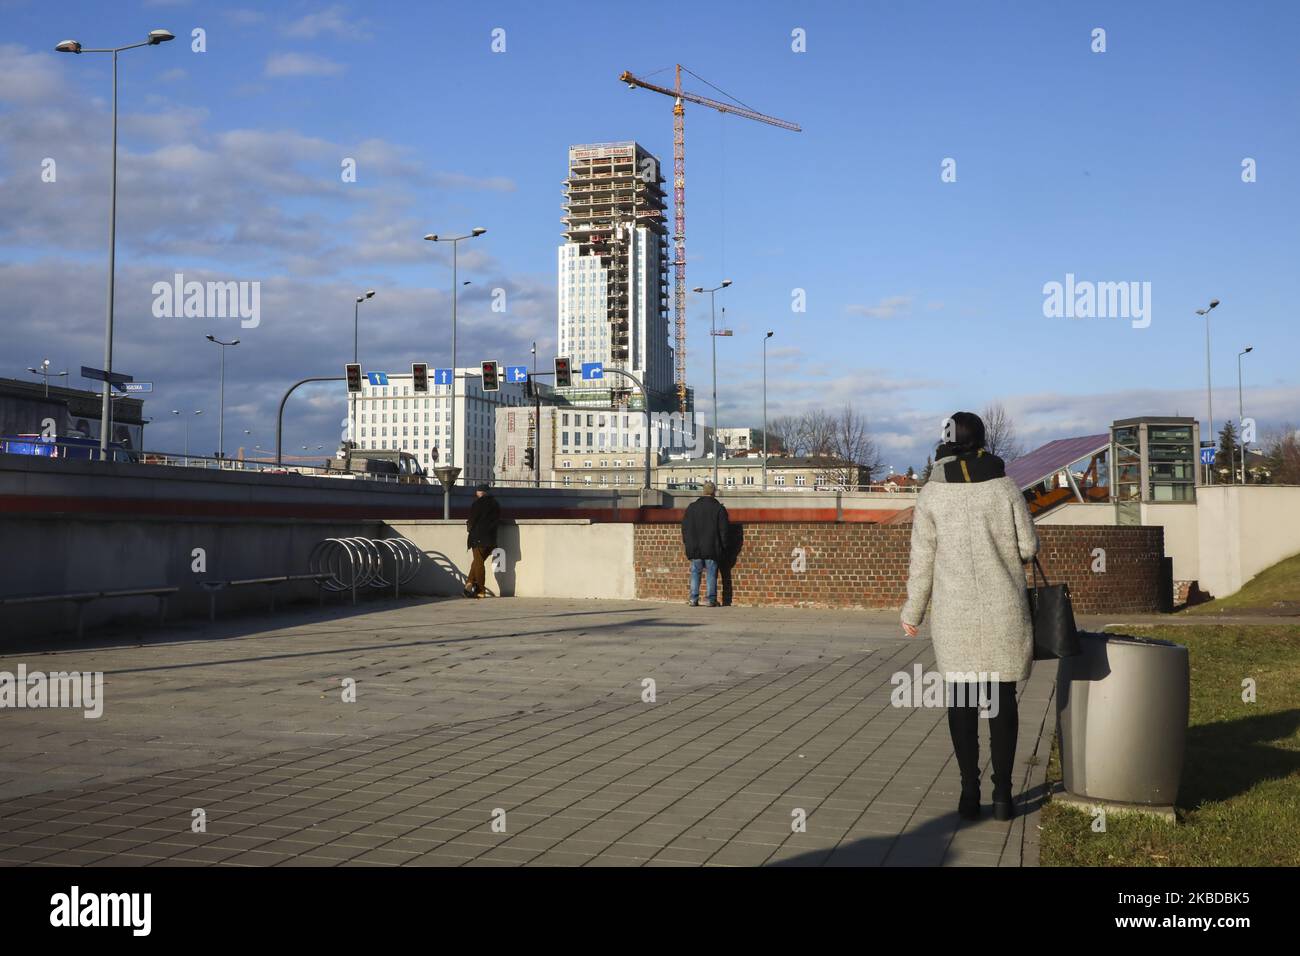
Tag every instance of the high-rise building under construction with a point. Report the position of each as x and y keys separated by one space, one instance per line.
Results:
x=613 y=275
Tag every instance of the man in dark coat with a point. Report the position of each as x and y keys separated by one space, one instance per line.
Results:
x=484 y=515
x=705 y=530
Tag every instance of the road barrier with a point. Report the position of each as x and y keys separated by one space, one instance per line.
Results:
x=349 y=564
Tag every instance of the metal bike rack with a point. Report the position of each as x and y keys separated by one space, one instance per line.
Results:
x=349 y=564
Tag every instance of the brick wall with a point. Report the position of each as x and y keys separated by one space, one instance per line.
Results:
x=857 y=565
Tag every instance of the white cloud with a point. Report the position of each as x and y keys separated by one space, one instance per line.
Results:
x=301 y=64
x=886 y=308
x=329 y=20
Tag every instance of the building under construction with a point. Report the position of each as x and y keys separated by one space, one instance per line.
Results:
x=613 y=275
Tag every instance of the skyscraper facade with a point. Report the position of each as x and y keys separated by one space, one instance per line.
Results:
x=613 y=274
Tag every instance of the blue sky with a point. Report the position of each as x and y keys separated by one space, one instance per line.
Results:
x=923 y=296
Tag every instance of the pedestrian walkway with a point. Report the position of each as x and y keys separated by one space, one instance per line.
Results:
x=505 y=732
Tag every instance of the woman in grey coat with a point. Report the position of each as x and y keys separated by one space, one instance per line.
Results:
x=971 y=535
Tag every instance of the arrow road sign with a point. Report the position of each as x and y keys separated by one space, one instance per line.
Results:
x=377 y=378
x=442 y=376
x=516 y=373
x=1207 y=456
x=593 y=371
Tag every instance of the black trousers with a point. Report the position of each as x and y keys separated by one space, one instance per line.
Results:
x=1004 y=725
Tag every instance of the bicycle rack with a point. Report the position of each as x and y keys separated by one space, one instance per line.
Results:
x=353 y=563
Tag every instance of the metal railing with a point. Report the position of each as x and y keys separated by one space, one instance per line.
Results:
x=75 y=450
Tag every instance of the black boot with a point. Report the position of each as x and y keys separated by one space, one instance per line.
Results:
x=1003 y=730
x=963 y=724
x=968 y=807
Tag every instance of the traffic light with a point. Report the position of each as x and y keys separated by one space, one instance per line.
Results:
x=354 y=376
x=420 y=376
x=563 y=373
x=529 y=458
x=491 y=376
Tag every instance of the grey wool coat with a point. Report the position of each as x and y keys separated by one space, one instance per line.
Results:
x=970 y=539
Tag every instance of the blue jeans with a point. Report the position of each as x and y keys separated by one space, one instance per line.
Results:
x=698 y=565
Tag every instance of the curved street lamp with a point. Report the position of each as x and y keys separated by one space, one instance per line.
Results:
x=455 y=286
x=221 y=407
x=713 y=341
x=154 y=38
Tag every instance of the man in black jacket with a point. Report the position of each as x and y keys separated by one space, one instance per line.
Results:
x=705 y=529
x=481 y=524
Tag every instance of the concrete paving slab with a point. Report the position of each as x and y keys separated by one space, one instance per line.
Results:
x=597 y=732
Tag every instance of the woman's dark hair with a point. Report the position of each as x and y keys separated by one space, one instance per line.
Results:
x=967 y=432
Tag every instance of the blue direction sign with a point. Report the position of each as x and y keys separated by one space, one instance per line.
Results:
x=377 y=378
x=516 y=373
x=442 y=376
x=130 y=387
x=592 y=371
x=1207 y=456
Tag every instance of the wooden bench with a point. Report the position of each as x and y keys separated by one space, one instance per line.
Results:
x=213 y=587
x=82 y=598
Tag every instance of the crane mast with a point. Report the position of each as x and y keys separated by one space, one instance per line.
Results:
x=680 y=97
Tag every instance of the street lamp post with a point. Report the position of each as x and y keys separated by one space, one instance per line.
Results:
x=154 y=38
x=44 y=371
x=1209 y=398
x=369 y=294
x=177 y=413
x=352 y=399
x=1241 y=412
x=713 y=339
x=455 y=248
x=221 y=406
x=765 y=338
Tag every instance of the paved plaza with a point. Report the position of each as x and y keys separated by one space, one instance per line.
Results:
x=504 y=732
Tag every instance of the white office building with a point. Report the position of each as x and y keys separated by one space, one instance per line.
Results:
x=613 y=274
x=396 y=416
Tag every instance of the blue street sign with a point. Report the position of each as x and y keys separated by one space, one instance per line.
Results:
x=129 y=387
x=1207 y=456
x=442 y=376
x=516 y=373
x=377 y=378
x=592 y=371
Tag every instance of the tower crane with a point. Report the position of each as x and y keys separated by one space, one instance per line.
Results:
x=680 y=97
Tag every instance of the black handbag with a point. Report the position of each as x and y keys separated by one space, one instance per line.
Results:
x=1053 y=615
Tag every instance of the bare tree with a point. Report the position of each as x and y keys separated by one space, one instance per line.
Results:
x=785 y=429
x=818 y=432
x=851 y=441
x=1000 y=436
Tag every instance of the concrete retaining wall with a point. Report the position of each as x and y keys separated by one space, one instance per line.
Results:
x=59 y=554
x=536 y=557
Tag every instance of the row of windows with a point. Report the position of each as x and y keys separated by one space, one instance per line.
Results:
x=629 y=480
x=613 y=420
x=629 y=463
x=418 y=403
x=366 y=431
x=577 y=440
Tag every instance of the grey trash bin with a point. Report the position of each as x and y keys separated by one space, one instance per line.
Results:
x=1121 y=708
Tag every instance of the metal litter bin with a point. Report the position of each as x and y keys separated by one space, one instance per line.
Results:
x=1121 y=708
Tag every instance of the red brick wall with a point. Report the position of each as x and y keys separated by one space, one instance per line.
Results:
x=1134 y=558
x=857 y=565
